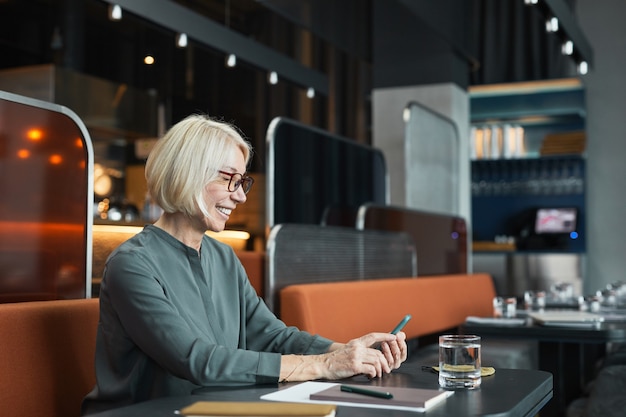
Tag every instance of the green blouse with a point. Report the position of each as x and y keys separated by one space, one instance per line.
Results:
x=173 y=321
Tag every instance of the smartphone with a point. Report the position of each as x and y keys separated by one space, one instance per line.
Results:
x=401 y=325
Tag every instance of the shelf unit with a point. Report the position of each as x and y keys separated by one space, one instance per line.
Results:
x=506 y=191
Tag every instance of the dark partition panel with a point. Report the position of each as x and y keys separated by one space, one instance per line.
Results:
x=440 y=239
x=306 y=253
x=46 y=201
x=312 y=174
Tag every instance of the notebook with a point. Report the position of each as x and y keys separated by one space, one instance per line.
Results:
x=407 y=397
x=566 y=318
x=257 y=409
x=305 y=391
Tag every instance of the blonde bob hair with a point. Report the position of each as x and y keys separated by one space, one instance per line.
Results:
x=187 y=158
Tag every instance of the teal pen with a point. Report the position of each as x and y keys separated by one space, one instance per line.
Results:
x=363 y=391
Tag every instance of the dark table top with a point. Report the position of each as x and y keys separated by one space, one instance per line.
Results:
x=572 y=368
x=603 y=333
x=509 y=392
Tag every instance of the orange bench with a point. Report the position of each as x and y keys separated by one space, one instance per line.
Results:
x=344 y=310
x=47 y=356
x=254 y=264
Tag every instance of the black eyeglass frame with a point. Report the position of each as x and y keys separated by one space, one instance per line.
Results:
x=245 y=181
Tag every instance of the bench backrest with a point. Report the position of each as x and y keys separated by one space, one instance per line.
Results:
x=344 y=310
x=304 y=253
x=254 y=264
x=47 y=353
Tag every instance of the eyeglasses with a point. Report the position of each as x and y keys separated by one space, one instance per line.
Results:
x=237 y=179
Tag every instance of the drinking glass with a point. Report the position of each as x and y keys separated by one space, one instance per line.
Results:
x=459 y=361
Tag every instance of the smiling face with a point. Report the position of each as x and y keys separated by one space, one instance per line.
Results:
x=219 y=201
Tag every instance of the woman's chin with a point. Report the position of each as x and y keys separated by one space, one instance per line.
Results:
x=216 y=227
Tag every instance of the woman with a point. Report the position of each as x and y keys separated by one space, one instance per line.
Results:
x=177 y=311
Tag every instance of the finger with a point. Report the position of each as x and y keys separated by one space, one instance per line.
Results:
x=375 y=362
x=379 y=365
x=394 y=355
x=402 y=348
x=372 y=339
x=384 y=361
x=388 y=349
x=405 y=351
x=369 y=370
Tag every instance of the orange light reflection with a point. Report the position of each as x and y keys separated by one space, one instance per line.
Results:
x=23 y=153
x=34 y=134
x=55 y=159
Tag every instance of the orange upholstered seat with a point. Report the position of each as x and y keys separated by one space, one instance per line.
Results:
x=47 y=356
x=345 y=310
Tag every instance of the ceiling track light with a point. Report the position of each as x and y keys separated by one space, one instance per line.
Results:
x=310 y=92
x=567 y=48
x=181 y=40
x=115 y=12
x=552 y=25
x=272 y=78
x=560 y=21
x=231 y=60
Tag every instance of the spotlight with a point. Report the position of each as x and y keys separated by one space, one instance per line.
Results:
x=406 y=115
x=115 y=12
x=310 y=92
x=181 y=40
x=148 y=59
x=567 y=48
x=531 y=2
x=552 y=25
x=231 y=60
x=272 y=78
x=583 y=68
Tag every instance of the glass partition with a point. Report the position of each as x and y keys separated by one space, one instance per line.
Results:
x=46 y=201
x=432 y=164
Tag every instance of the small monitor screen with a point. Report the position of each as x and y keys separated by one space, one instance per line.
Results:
x=555 y=220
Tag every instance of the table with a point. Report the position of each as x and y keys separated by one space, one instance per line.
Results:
x=569 y=353
x=510 y=392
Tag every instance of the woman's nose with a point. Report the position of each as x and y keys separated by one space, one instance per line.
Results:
x=239 y=196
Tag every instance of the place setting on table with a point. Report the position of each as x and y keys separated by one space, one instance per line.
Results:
x=558 y=307
x=572 y=332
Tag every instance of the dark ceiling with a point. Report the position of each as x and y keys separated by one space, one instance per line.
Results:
x=358 y=44
x=496 y=41
x=356 y=27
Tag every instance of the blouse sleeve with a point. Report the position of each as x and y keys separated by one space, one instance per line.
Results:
x=265 y=332
x=162 y=333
